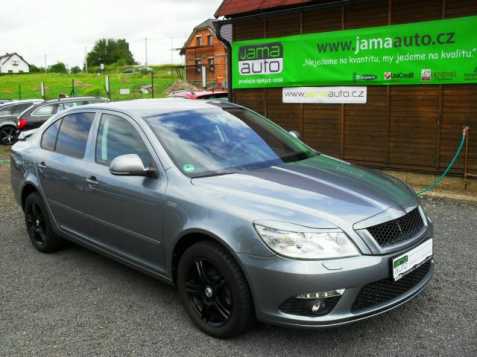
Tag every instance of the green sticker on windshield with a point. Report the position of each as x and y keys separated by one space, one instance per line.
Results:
x=188 y=168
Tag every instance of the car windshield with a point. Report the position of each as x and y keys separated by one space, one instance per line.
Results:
x=220 y=141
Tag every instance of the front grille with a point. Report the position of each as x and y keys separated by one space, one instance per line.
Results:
x=386 y=290
x=398 y=230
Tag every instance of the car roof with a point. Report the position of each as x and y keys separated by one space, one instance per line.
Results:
x=20 y=101
x=148 y=107
x=23 y=101
x=72 y=99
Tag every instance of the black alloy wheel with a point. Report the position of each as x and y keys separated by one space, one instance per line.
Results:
x=214 y=291
x=209 y=293
x=8 y=135
x=35 y=223
x=39 y=227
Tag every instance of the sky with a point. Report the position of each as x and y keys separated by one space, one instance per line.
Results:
x=64 y=30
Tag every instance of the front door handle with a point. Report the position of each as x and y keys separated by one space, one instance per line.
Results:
x=42 y=167
x=92 y=181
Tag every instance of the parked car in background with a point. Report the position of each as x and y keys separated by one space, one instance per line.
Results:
x=36 y=115
x=243 y=217
x=9 y=113
x=200 y=95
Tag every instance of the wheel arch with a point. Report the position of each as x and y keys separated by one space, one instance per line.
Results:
x=27 y=189
x=191 y=237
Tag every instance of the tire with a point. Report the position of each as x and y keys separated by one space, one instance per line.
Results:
x=214 y=291
x=38 y=225
x=8 y=135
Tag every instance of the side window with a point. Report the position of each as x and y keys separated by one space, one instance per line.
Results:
x=18 y=109
x=117 y=137
x=48 y=139
x=73 y=135
x=68 y=105
x=7 y=111
x=46 y=110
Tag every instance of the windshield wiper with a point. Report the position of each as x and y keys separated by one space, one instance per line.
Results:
x=299 y=156
x=215 y=173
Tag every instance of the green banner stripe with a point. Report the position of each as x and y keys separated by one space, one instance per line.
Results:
x=431 y=52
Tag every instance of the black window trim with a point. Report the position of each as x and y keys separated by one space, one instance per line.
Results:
x=134 y=124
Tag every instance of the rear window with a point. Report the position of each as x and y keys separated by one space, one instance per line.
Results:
x=73 y=134
x=46 y=110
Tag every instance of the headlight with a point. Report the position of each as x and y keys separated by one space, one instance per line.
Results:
x=304 y=243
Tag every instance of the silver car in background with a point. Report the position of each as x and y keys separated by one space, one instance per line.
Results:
x=244 y=218
x=9 y=113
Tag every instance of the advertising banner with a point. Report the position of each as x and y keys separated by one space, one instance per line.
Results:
x=431 y=52
x=327 y=95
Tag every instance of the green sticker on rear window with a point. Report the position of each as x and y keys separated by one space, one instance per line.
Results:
x=188 y=168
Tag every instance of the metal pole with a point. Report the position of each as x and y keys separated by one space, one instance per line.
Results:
x=20 y=91
x=466 y=156
x=86 y=60
x=145 y=50
x=73 y=89
x=152 y=84
x=108 y=86
x=42 y=90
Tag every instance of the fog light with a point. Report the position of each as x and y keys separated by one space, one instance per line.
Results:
x=322 y=294
x=315 y=308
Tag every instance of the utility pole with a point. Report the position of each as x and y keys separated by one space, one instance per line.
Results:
x=46 y=62
x=172 y=51
x=172 y=56
x=145 y=50
x=85 y=59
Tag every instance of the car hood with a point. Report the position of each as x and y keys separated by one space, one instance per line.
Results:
x=320 y=192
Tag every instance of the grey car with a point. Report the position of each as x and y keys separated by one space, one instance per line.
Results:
x=247 y=221
x=36 y=115
x=9 y=113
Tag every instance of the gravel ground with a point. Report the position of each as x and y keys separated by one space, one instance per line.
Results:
x=78 y=303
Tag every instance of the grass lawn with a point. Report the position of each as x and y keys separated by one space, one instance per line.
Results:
x=28 y=85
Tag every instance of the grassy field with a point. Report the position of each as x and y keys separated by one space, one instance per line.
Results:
x=28 y=85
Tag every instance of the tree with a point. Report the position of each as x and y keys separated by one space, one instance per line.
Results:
x=35 y=69
x=110 y=51
x=58 y=68
x=75 y=69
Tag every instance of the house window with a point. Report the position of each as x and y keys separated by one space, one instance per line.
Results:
x=210 y=40
x=211 y=64
x=198 y=65
x=198 y=41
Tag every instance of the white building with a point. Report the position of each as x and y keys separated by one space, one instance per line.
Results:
x=13 y=63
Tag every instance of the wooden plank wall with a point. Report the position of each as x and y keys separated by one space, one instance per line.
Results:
x=401 y=127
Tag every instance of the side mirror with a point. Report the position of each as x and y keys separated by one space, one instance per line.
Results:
x=296 y=134
x=130 y=165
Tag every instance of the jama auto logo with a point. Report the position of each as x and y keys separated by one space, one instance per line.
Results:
x=261 y=59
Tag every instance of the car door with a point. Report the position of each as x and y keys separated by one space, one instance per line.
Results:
x=125 y=211
x=61 y=168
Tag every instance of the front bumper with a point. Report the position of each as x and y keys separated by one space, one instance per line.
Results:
x=275 y=280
